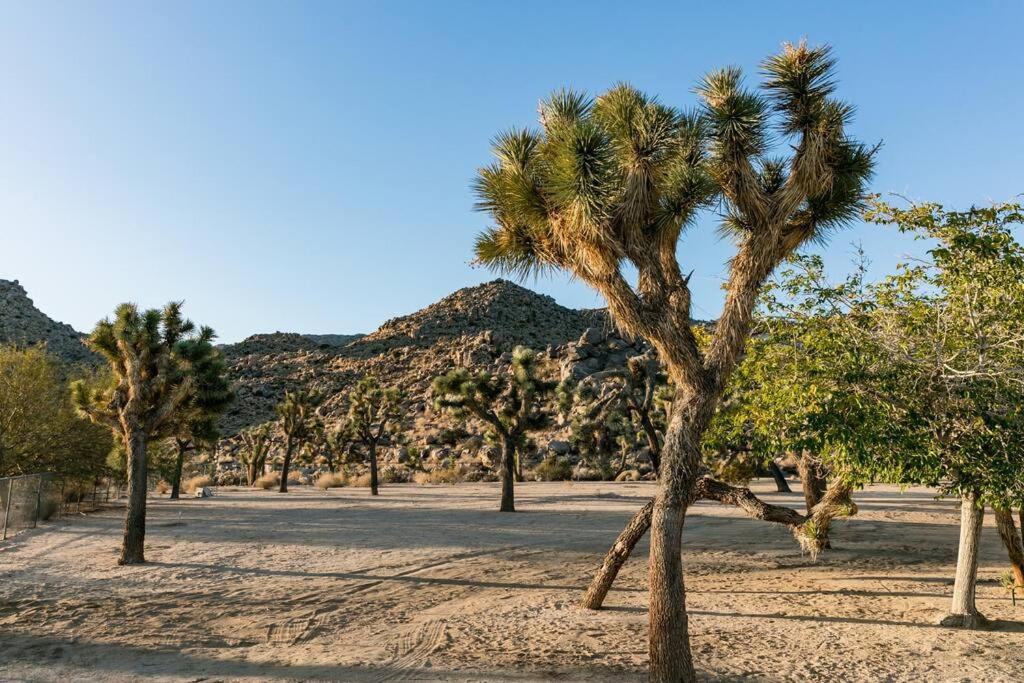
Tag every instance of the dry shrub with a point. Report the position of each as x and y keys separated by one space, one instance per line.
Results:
x=553 y=468
x=389 y=474
x=628 y=475
x=268 y=481
x=444 y=475
x=198 y=483
x=295 y=477
x=362 y=480
x=331 y=480
x=162 y=487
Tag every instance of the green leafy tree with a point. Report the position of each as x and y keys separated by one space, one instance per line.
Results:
x=375 y=412
x=39 y=428
x=297 y=418
x=510 y=404
x=253 y=454
x=949 y=329
x=615 y=180
x=196 y=422
x=152 y=382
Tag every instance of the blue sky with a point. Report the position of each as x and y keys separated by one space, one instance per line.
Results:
x=306 y=166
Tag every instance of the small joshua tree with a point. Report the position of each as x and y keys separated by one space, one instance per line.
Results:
x=255 y=446
x=297 y=419
x=510 y=405
x=152 y=383
x=373 y=413
x=196 y=422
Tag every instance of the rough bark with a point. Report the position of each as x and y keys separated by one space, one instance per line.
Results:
x=836 y=503
x=963 y=612
x=781 y=485
x=616 y=557
x=286 y=465
x=133 y=544
x=1013 y=543
x=179 y=464
x=374 y=480
x=508 y=475
x=814 y=484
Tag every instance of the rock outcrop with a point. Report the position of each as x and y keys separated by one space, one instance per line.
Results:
x=22 y=324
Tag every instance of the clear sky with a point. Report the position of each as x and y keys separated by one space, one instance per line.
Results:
x=306 y=166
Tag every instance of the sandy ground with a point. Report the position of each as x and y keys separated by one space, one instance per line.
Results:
x=430 y=583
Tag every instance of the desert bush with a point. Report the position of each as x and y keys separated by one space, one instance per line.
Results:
x=294 y=477
x=553 y=468
x=198 y=483
x=162 y=487
x=628 y=475
x=331 y=480
x=268 y=481
x=442 y=475
x=361 y=480
x=390 y=474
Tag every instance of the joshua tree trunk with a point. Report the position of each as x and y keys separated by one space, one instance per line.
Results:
x=616 y=557
x=508 y=474
x=668 y=636
x=288 y=447
x=781 y=485
x=132 y=547
x=1013 y=543
x=373 y=468
x=179 y=464
x=964 y=612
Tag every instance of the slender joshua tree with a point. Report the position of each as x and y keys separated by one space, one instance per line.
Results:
x=152 y=382
x=255 y=446
x=508 y=405
x=614 y=181
x=297 y=418
x=373 y=412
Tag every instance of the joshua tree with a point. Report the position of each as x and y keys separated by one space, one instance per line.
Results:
x=373 y=411
x=615 y=180
x=510 y=406
x=297 y=418
x=335 y=444
x=255 y=445
x=197 y=420
x=152 y=382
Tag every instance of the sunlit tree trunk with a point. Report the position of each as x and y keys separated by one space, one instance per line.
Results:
x=616 y=557
x=964 y=613
x=814 y=485
x=135 y=516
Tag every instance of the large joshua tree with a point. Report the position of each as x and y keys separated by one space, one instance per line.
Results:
x=614 y=181
x=373 y=412
x=510 y=406
x=297 y=417
x=196 y=422
x=152 y=382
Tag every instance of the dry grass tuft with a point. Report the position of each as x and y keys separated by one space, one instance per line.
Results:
x=361 y=480
x=197 y=483
x=162 y=487
x=268 y=481
x=331 y=480
x=445 y=475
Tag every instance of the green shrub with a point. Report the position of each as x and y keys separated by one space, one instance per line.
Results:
x=553 y=468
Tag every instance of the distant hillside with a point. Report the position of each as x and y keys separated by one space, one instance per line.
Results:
x=22 y=324
x=474 y=327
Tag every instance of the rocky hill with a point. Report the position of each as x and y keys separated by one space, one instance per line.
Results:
x=473 y=327
x=22 y=324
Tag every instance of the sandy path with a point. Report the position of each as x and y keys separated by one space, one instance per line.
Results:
x=429 y=583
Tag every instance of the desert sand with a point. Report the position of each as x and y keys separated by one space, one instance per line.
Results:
x=431 y=583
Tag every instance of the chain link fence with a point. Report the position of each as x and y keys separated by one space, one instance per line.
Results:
x=29 y=499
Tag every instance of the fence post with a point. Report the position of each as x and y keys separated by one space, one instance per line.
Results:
x=39 y=500
x=7 y=510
